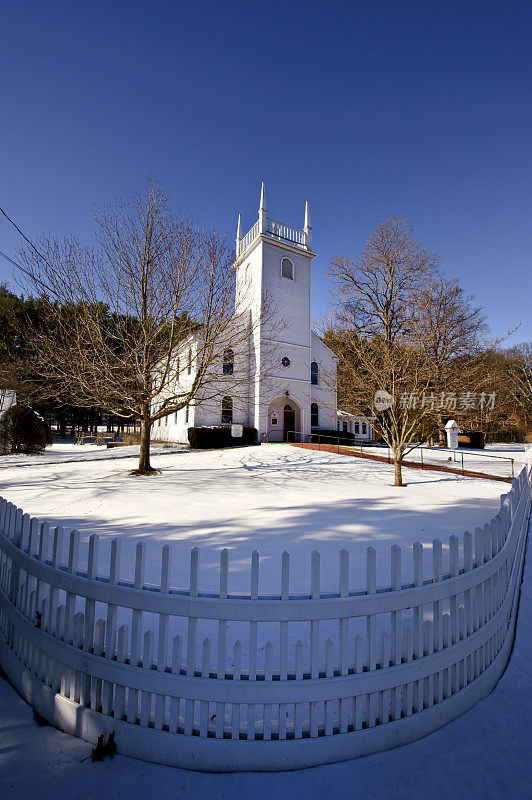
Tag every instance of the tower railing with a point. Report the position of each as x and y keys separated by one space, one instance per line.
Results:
x=284 y=232
x=248 y=239
x=275 y=230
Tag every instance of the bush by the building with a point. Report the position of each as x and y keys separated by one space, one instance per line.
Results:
x=22 y=430
x=331 y=436
x=206 y=437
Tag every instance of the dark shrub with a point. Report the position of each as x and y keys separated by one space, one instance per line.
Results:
x=204 y=437
x=23 y=431
x=332 y=437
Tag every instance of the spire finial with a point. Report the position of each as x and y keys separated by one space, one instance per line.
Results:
x=238 y=236
x=307 y=228
x=262 y=206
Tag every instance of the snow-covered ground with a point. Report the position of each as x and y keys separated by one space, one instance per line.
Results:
x=270 y=498
x=483 y=754
x=61 y=452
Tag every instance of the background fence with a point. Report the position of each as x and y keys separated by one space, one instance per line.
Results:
x=466 y=462
x=229 y=682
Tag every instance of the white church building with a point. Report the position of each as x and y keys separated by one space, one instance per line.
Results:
x=296 y=394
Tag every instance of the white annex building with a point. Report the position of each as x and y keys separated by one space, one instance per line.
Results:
x=295 y=394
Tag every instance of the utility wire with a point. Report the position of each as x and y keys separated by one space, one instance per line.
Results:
x=19 y=266
x=7 y=258
x=24 y=237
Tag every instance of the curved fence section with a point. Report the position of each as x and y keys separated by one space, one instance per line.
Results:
x=218 y=681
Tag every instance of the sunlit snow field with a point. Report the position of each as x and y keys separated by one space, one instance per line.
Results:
x=270 y=498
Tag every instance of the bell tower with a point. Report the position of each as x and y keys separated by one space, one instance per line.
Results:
x=273 y=270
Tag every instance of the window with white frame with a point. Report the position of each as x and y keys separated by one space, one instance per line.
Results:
x=314 y=373
x=314 y=415
x=364 y=428
x=189 y=364
x=287 y=269
x=186 y=413
x=357 y=427
x=229 y=360
x=227 y=410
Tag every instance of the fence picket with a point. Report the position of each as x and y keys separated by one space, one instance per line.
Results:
x=298 y=707
x=147 y=663
x=173 y=723
x=162 y=638
x=237 y=673
x=358 y=708
x=252 y=655
x=395 y=625
x=120 y=689
x=191 y=637
x=267 y=707
x=99 y=650
x=136 y=630
x=283 y=639
x=371 y=643
x=222 y=641
x=112 y=612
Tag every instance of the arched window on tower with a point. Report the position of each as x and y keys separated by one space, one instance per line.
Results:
x=314 y=373
x=227 y=410
x=287 y=269
x=314 y=416
x=229 y=361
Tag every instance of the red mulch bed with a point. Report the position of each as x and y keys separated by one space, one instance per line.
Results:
x=345 y=451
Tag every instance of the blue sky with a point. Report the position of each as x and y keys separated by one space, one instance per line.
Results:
x=365 y=109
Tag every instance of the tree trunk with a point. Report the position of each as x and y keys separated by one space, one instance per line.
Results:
x=144 y=457
x=398 y=471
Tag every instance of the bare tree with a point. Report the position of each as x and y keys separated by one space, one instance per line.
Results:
x=121 y=312
x=399 y=327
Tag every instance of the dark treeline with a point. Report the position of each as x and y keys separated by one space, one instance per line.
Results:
x=21 y=322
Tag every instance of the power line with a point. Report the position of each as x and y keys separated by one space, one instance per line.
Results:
x=7 y=258
x=24 y=237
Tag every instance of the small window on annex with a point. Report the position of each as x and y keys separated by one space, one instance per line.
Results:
x=314 y=373
x=314 y=416
x=357 y=427
x=344 y=426
x=364 y=428
x=229 y=361
x=287 y=269
x=227 y=410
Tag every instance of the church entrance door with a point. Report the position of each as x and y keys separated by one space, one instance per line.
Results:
x=289 y=424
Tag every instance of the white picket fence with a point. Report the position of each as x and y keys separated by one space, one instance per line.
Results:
x=370 y=669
